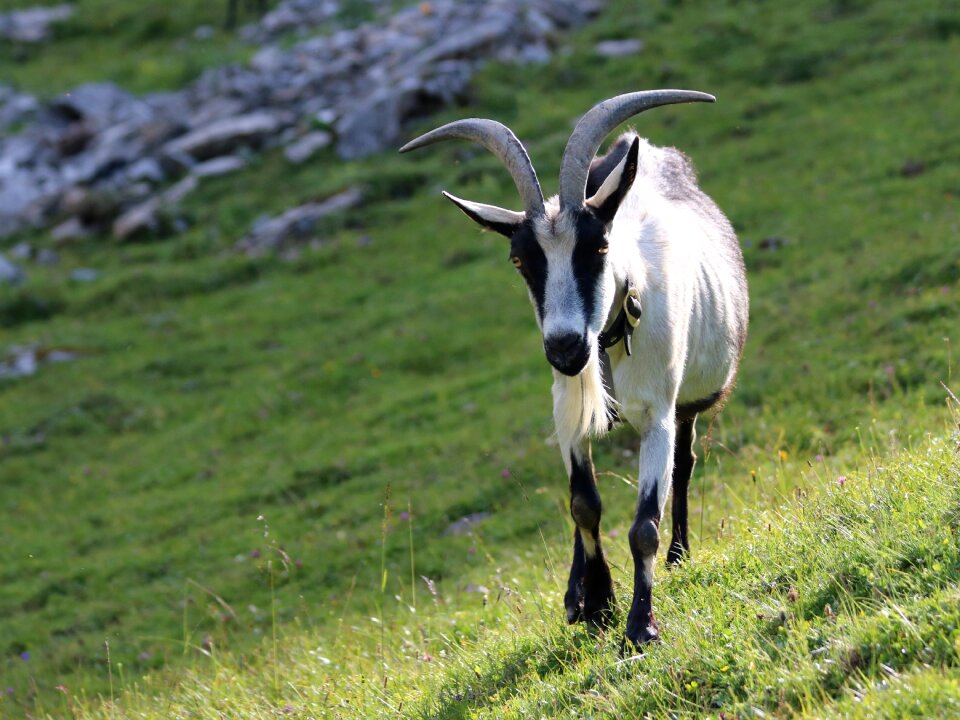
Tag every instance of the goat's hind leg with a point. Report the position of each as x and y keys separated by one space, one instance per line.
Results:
x=684 y=460
x=590 y=588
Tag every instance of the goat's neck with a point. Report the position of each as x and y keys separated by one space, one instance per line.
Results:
x=625 y=276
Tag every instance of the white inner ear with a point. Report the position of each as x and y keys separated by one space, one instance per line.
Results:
x=489 y=213
x=609 y=185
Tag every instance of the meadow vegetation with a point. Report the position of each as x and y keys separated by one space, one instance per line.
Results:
x=234 y=503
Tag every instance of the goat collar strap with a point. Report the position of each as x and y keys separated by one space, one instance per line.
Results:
x=626 y=320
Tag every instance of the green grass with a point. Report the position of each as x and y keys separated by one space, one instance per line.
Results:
x=215 y=466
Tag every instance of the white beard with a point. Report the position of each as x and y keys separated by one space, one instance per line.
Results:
x=582 y=405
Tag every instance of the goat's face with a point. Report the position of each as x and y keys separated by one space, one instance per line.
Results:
x=563 y=256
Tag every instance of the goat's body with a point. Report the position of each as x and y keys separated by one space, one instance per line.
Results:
x=673 y=244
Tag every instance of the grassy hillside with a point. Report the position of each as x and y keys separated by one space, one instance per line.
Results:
x=250 y=449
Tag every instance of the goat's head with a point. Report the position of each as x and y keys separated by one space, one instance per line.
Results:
x=560 y=246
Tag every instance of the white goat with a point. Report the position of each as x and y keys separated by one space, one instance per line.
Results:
x=628 y=232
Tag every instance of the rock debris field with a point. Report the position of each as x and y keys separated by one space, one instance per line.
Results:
x=99 y=159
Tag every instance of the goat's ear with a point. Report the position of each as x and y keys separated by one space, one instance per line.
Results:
x=505 y=222
x=607 y=199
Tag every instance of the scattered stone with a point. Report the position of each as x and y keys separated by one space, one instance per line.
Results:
x=10 y=274
x=20 y=362
x=224 y=136
x=70 y=229
x=138 y=220
x=16 y=107
x=176 y=193
x=32 y=25
x=47 y=257
x=772 y=243
x=297 y=224
x=148 y=169
x=301 y=150
x=24 y=360
x=84 y=275
x=465 y=525
x=913 y=168
x=219 y=166
x=22 y=251
x=618 y=48
x=101 y=105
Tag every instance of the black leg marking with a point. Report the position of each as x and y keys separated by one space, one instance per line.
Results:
x=644 y=541
x=590 y=588
x=573 y=600
x=684 y=459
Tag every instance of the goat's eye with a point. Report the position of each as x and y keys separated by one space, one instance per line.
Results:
x=517 y=262
x=604 y=249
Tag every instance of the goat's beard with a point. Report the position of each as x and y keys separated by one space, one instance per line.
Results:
x=582 y=405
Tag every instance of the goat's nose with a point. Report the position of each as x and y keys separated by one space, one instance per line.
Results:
x=567 y=352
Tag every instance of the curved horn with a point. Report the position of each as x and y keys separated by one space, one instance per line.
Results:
x=500 y=140
x=597 y=124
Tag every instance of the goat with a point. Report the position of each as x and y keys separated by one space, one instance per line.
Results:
x=639 y=289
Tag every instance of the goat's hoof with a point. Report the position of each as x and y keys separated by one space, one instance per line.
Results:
x=573 y=602
x=574 y=614
x=599 y=611
x=635 y=640
x=676 y=555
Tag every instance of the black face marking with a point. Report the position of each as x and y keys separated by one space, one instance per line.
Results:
x=533 y=263
x=589 y=260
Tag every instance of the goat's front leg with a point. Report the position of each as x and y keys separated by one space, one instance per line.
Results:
x=656 y=464
x=590 y=588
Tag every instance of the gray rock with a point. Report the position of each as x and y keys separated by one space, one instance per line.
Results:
x=16 y=107
x=84 y=275
x=147 y=216
x=618 y=48
x=101 y=104
x=175 y=162
x=465 y=525
x=219 y=166
x=224 y=136
x=32 y=25
x=47 y=257
x=70 y=229
x=146 y=169
x=22 y=251
x=177 y=192
x=302 y=149
x=296 y=224
x=10 y=274
x=138 y=220
x=19 y=362
x=371 y=126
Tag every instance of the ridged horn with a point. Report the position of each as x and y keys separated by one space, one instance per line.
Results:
x=599 y=121
x=500 y=140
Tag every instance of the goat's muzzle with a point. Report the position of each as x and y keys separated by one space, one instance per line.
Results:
x=568 y=352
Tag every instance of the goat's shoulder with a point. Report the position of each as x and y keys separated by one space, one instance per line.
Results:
x=671 y=172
